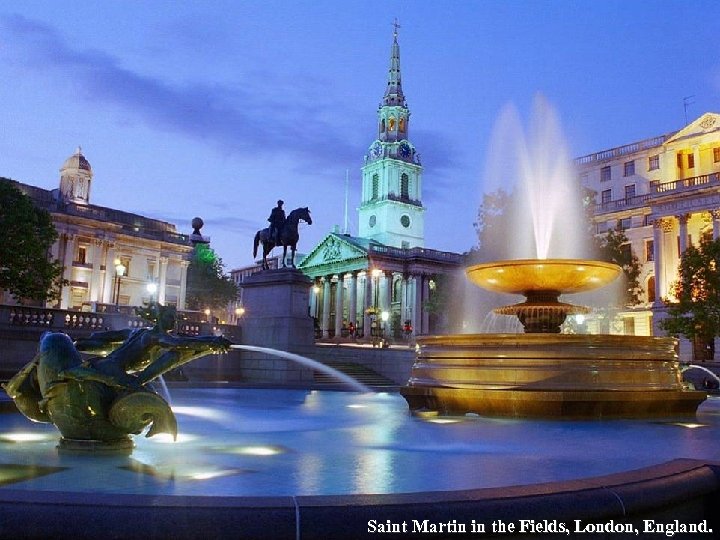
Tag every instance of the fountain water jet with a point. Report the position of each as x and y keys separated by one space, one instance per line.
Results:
x=308 y=362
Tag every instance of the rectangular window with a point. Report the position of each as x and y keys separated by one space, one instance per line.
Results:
x=691 y=161
x=680 y=161
x=629 y=168
x=151 y=270
x=629 y=191
x=81 y=255
x=606 y=196
x=649 y=250
x=605 y=174
x=624 y=224
x=653 y=162
x=716 y=155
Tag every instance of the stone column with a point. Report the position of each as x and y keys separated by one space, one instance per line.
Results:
x=659 y=226
x=109 y=281
x=162 y=281
x=715 y=223
x=683 y=232
x=367 y=303
x=339 y=293
x=385 y=291
x=403 y=298
x=426 y=296
x=325 y=324
x=183 y=284
x=96 y=277
x=352 y=301
x=314 y=291
x=417 y=304
x=68 y=257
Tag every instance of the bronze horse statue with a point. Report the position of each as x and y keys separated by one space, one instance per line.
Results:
x=289 y=237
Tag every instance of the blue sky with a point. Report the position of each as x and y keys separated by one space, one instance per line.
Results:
x=217 y=109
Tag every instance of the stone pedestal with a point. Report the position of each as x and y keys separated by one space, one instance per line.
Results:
x=276 y=310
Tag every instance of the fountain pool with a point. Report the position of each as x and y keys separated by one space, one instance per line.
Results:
x=261 y=463
x=256 y=442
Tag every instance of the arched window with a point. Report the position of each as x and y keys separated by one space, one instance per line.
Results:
x=382 y=126
x=651 y=289
x=391 y=123
x=401 y=127
x=404 y=186
x=375 y=187
x=397 y=291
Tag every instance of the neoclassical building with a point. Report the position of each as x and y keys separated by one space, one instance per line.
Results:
x=386 y=268
x=665 y=193
x=110 y=256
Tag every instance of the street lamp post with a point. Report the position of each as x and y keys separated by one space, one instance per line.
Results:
x=119 y=273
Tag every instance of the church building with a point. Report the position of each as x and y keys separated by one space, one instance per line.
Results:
x=385 y=275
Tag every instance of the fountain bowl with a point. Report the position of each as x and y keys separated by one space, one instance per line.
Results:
x=563 y=276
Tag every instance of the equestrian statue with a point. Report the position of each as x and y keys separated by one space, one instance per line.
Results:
x=282 y=232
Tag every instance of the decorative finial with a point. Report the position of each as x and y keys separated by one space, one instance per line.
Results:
x=79 y=149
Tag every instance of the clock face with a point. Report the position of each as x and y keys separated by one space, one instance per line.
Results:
x=405 y=220
x=376 y=150
x=404 y=149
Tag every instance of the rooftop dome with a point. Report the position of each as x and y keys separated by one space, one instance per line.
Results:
x=77 y=161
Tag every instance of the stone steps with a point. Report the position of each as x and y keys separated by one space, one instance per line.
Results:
x=360 y=373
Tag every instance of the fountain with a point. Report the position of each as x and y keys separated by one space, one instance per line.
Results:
x=543 y=373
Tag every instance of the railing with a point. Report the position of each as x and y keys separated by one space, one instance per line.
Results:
x=60 y=320
x=624 y=150
x=622 y=204
x=686 y=184
x=416 y=252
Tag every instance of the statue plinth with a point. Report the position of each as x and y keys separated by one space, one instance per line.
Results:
x=276 y=310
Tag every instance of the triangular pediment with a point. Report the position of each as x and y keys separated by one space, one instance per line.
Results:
x=707 y=123
x=334 y=249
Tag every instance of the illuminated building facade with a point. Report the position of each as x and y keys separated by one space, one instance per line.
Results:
x=664 y=192
x=109 y=256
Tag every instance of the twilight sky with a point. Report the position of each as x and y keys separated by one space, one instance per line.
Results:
x=218 y=108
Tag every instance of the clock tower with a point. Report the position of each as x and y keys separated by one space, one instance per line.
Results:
x=391 y=210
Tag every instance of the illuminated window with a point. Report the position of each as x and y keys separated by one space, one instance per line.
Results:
x=649 y=250
x=402 y=125
x=653 y=162
x=404 y=186
x=81 y=255
x=605 y=174
x=391 y=123
x=651 y=290
x=716 y=155
x=691 y=161
x=629 y=168
x=375 y=187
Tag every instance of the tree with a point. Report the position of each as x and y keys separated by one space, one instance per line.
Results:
x=207 y=284
x=26 y=269
x=695 y=313
x=493 y=221
x=615 y=248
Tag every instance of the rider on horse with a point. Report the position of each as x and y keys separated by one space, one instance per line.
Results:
x=277 y=220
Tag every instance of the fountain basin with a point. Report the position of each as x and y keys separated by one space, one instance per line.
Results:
x=549 y=375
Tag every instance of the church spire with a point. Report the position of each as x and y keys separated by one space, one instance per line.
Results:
x=393 y=93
